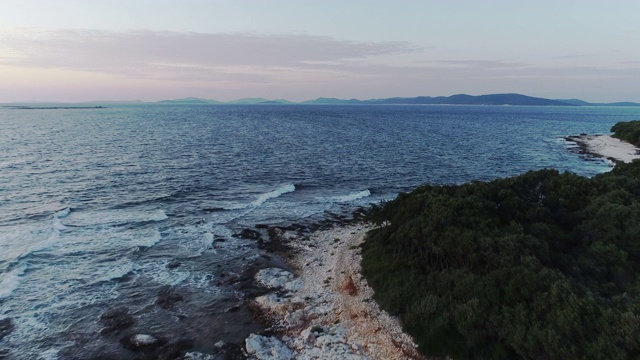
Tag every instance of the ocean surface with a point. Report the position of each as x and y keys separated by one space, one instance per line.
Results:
x=107 y=208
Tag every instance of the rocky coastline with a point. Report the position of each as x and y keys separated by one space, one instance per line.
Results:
x=321 y=307
x=605 y=146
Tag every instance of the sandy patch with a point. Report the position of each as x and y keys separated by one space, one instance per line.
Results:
x=608 y=147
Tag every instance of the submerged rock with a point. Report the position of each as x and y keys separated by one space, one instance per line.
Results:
x=6 y=327
x=115 y=320
x=174 y=350
x=168 y=297
x=248 y=234
x=267 y=348
x=173 y=264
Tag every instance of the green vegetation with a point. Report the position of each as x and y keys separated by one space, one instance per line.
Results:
x=540 y=266
x=628 y=131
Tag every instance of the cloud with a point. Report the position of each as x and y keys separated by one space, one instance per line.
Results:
x=164 y=64
x=478 y=64
x=180 y=55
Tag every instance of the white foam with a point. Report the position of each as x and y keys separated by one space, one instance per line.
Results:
x=351 y=197
x=63 y=213
x=273 y=194
x=114 y=271
x=158 y=271
x=54 y=237
x=49 y=354
x=10 y=281
x=144 y=237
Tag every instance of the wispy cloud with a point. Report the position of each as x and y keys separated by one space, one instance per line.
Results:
x=162 y=54
x=478 y=64
x=163 y=64
x=571 y=56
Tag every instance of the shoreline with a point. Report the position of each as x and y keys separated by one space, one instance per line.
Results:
x=605 y=146
x=326 y=309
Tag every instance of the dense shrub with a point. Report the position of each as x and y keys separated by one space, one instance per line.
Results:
x=628 y=131
x=540 y=266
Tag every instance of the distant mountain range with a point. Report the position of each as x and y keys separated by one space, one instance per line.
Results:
x=459 y=99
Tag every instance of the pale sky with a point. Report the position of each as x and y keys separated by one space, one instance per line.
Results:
x=84 y=50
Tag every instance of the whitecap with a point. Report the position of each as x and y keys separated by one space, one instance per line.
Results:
x=351 y=197
x=273 y=194
x=63 y=213
x=10 y=281
x=49 y=354
x=54 y=236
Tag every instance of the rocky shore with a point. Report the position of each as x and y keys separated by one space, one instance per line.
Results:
x=323 y=308
x=605 y=146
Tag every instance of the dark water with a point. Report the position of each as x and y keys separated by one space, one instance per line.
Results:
x=95 y=203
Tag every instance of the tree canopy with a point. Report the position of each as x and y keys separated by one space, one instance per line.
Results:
x=544 y=265
x=628 y=131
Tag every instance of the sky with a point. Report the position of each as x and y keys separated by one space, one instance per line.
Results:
x=87 y=50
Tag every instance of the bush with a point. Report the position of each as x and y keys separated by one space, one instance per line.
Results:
x=628 y=131
x=540 y=266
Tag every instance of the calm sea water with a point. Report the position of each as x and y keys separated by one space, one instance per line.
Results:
x=95 y=203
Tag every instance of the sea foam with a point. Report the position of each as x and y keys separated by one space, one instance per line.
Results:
x=351 y=197
x=273 y=194
x=10 y=281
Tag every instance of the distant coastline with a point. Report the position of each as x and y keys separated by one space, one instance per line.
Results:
x=458 y=99
x=21 y=107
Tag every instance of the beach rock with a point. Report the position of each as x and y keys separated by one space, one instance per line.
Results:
x=116 y=320
x=248 y=234
x=329 y=343
x=230 y=351
x=267 y=348
x=294 y=319
x=168 y=297
x=275 y=278
x=6 y=327
x=137 y=342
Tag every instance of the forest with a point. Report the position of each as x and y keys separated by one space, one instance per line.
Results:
x=544 y=265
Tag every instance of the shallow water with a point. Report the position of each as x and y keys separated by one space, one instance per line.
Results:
x=95 y=203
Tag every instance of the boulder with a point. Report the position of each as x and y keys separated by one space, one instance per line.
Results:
x=267 y=348
x=274 y=278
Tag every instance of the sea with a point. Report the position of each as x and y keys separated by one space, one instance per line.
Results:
x=107 y=208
